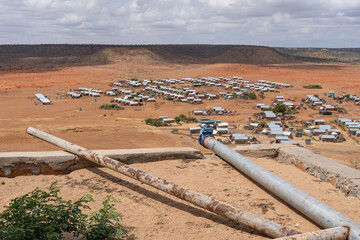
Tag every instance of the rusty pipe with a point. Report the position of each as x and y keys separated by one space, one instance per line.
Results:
x=247 y=219
x=337 y=233
x=306 y=204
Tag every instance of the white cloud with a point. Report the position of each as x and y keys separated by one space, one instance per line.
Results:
x=260 y=22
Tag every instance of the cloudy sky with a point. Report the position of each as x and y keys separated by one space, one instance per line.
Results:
x=289 y=23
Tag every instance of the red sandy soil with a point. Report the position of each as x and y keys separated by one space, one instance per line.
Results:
x=126 y=128
x=151 y=214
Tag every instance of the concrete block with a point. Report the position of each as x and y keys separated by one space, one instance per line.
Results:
x=60 y=162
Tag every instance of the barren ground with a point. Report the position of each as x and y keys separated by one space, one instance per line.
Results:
x=148 y=214
x=107 y=129
x=151 y=214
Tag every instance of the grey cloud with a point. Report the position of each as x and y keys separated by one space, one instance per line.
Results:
x=327 y=23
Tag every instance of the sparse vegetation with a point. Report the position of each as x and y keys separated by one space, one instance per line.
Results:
x=45 y=215
x=184 y=118
x=155 y=122
x=110 y=106
x=279 y=109
x=313 y=86
x=252 y=95
x=292 y=111
x=263 y=124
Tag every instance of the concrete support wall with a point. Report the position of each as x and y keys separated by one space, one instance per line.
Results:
x=343 y=177
x=59 y=162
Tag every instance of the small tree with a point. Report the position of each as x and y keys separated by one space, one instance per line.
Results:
x=252 y=95
x=279 y=109
x=44 y=215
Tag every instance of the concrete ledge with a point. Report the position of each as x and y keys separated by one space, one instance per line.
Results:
x=342 y=176
x=59 y=162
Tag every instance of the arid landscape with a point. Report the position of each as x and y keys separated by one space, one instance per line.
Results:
x=21 y=109
x=55 y=70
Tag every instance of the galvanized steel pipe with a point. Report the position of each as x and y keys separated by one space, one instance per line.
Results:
x=337 y=233
x=309 y=206
x=221 y=208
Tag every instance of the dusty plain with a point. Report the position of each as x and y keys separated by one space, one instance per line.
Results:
x=147 y=213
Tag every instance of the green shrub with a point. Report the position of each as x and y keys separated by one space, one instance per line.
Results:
x=292 y=111
x=182 y=117
x=149 y=120
x=105 y=224
x=110 y=106
x=252 y=95
x=313 y=86
x=263 y=123
x=44 y=215
x=279 y=109
x=192 y=119
x=177 y=119
x=155 y=122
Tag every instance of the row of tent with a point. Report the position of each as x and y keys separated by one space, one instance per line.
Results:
x=44 y=100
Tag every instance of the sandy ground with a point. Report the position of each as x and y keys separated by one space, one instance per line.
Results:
x=147 y=213
x=151 y=214
x=107 y=129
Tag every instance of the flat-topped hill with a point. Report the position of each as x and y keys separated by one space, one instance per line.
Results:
x=49 y=56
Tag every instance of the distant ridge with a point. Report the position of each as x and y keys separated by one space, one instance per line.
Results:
x=54 y=56
x=347 y=55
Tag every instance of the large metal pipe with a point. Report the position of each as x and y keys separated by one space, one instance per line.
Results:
x=337 y=233
x=247 y=219
x=309 y=206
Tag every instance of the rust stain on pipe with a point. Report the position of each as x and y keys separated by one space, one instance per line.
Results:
x=337 y=233
x=247 y=219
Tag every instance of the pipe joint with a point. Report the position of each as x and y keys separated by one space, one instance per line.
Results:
x=206 y=131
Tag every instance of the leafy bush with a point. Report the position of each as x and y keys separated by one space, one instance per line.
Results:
x=252 y=95
x=155 y=122
x=104 y=224
x=292 y=111
x=45 y=215
x=263 y=123
x=313 y=86
x=279 y=109
x=177 y=119
x=110 y=106
x=182 y=117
